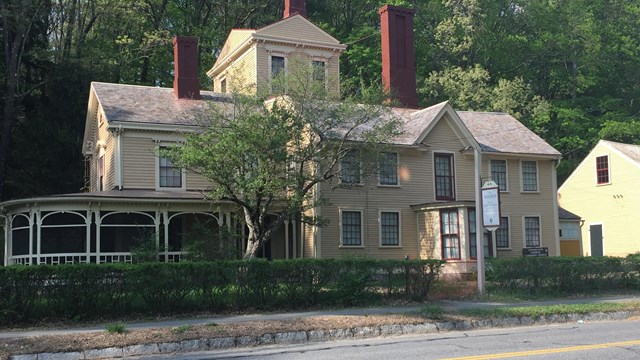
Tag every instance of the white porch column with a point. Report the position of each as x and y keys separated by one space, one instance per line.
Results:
x=7 y=240
x=286 y=239
x=221 y=219
x=156 y=221
x=98 y=223
x=87 y=221
x=295 y=238
x=38 y=236
x=165 y=220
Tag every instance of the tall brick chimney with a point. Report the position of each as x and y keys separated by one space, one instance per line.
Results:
x=186 y=81
x=292 y=7
x=398 y=58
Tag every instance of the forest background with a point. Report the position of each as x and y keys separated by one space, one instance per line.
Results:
x=568 y=69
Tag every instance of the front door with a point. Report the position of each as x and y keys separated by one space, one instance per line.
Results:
x=595 y=234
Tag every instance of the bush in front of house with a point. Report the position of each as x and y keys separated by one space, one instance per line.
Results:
x=563 y=275
x=84 y=291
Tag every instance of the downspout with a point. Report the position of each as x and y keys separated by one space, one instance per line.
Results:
x=556 y=221
x=118 y=158
x=477 y=159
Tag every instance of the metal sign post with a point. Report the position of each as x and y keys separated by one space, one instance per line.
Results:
x=489 y=197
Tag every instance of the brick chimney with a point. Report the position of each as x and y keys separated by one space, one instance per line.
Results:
x=186 y=81
x=292 y=7
x=398 y=62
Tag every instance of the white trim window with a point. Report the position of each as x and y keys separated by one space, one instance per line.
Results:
x=319 y=72
x=531 y=231
x=602 y=170
x=498 y=170
x=223 y=85
x=351 y=228
x=444 y=176
x=388 y=169
x=277 y=69
x=529 y=175
x=503 y=237
x=168 y=176
x=389 y=221
x=351 y=168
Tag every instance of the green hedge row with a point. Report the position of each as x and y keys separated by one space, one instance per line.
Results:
x=30 y=293
x=564 y=274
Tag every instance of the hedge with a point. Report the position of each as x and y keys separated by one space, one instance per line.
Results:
x=564 y=274
x=83 y=291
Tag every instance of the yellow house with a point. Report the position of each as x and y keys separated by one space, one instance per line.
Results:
x=420 y=205
x=601 y=189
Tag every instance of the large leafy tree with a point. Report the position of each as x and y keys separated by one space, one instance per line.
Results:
x=268 y=157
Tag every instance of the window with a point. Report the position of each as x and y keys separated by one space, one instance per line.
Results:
x=443 y=169
x=529 y=176
x=569 y=230
x=388 y=167
x=449 y=233
x=318 y=71
x=532 y=231
x=223 y=86
x=602 y=169
x=502 y=234
x=390 y=228
x=350 y=172
x=101 y=173
x=169 y=176
x=473 y=253
x=499 y=173
x=277 y=70
x=351 y=228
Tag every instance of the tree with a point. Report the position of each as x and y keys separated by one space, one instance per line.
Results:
x=269 y=157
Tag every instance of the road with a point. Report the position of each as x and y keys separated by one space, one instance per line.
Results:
x=619 y=340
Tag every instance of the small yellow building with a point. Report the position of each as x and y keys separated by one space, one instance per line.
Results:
x=603 y=191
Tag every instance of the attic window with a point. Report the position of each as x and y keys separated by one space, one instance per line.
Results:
x=602 y=169
x=277 y=72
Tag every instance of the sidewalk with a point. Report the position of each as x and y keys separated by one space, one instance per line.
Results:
x=449 y=305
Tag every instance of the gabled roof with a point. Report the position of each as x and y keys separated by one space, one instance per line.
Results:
x=157 y=108
x=631 y=152
x=295 y=30
x=135 y=104
x=502 y=133
x=567 y=215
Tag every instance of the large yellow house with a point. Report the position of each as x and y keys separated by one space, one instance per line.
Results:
x=420 y=205
x=602 y=190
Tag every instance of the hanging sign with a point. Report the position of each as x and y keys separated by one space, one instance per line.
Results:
x=490 y=206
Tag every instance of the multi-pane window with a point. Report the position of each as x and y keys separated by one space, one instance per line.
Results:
x=318 y=68
x=388 y=168
x=277 y=70
x=529 y=176
x=532 y=231
x=602 y=169
x=502 y=234
x=169 y=175
x=351 y=228
x=569 y=230
x=450 y=234
x=499 y=173
x=390 y=228
x=350 y=171
x=473 y=252
x=444 y=177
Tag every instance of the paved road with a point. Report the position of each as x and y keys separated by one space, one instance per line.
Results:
x=618 y=340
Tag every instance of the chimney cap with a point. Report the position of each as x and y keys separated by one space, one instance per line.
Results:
x=394 y=8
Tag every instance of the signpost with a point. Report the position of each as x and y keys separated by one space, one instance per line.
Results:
x=489 y=196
